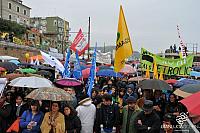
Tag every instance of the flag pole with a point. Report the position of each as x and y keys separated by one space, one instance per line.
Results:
x=89 y=39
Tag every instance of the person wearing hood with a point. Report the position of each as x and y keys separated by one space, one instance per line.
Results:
x=86 y=112
x=130 y=91
x=5 y=112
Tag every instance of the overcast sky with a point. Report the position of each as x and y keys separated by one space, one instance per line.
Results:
x=151 y=23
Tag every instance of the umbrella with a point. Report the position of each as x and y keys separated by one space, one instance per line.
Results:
x=171 y=81
x=104 y=67
x=25 y=65
x=109 y=73
x=31 y=82
x=9 y=66
x=195 y=74
x=154 y=84
x=128 y=69
x=27 y=70
x=42 y=67
x=83 y=67
x=192 y=104
x=187 y=90
x=139 y=78
x=186 y=81
x=2 y=69
x=44 y=73
x=86 y=73
x=68 y=82
x=52 y=94
x=14 y=61
x=12 y=76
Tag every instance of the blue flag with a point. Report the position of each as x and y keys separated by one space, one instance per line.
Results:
x=77 y=68
x=66 y=72
x=92 y=74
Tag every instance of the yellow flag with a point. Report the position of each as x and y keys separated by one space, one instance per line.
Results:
x=161 y=75
x=147 y=75
x=155 y=71
x=123 y=43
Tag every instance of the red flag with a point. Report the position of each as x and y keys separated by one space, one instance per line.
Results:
x=80 y=44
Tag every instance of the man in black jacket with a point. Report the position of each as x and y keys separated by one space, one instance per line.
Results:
x=107 y=114
x=148 y=121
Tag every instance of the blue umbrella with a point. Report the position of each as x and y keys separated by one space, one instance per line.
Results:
x=83 y=67
x=105 y=67
x=195 y=74
x=185 y=82
x=15 y=61
x=109 y=73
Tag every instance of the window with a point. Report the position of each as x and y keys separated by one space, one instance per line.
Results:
x=24 y=12
x=9 y=5
x=17 y=9
x=10 y=17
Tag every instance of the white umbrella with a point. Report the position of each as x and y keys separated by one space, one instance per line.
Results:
x=31 y=82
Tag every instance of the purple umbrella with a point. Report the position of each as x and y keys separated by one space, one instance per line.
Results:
x=68 y=82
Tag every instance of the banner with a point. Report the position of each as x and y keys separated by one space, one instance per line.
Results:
x=166 y=65
x=80 y=44
x=103 y=57
x=123 y=43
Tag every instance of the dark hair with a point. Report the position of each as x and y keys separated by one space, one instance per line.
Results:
x=59 y=104
x=35 y=103
x=107 y=97
x=72 y=110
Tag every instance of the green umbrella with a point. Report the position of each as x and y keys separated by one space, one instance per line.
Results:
x=28 y=70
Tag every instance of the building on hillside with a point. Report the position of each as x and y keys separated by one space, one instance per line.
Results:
x=15 y=10
x=55 y=28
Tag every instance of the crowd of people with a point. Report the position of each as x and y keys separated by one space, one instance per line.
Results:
x=115 y=106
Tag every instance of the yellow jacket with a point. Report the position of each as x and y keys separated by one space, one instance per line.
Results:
x=60 y=124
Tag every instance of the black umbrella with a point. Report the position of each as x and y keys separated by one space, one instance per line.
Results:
x=25 y=65
x=154 y=84
x=41 y=67
x=9 y=66
x=44 y=73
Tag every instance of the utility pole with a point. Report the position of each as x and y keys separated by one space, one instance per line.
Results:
x=89 y=40
x=104 y=47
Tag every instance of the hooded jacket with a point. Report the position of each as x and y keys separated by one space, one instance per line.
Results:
x=86 y=112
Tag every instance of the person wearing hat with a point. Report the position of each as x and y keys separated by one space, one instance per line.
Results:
x=148 y=121
x=130 y=112
x=86 y=111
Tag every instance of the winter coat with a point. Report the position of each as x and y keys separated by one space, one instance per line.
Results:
x=60 y=123
x=5 y=112
x=26 y=118
x=23 y=108
x=72 y=124
x=86 y=112
x=132 y=120
x=151 y=120
x=108 y=115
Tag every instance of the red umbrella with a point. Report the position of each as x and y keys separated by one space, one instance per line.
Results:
x=192 y=104
x=2 y=69
x=171 y=81
x=86 y=72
